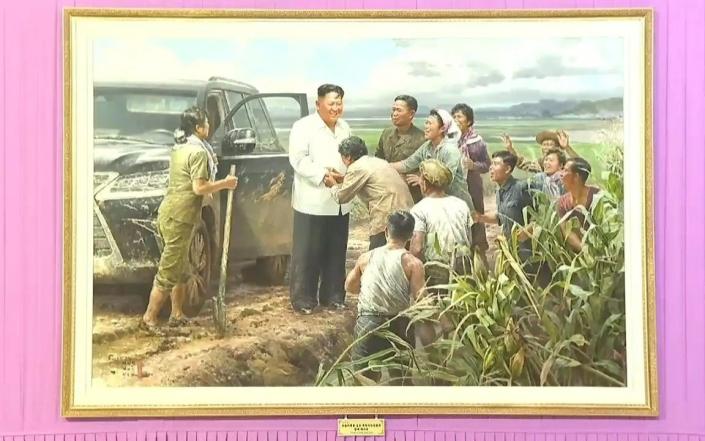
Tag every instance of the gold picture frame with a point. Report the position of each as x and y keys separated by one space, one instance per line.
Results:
x=77 y=45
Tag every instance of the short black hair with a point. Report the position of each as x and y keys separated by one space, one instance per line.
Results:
x=559 y=154
x=400 y=225
x=190 y=119
x=325 y=89
x=354 y=147
x=581 y=167
x=409 y=100
x=434 y=113
x=507 y=157
x=465 y=110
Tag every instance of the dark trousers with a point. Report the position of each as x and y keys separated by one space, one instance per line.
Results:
x=317 y=273
x=378 y=240
x=479 y=235
x=371 y=344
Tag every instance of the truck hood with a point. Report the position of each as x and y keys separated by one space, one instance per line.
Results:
x=125 y=157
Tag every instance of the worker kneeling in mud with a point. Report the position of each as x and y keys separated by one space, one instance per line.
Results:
x=441 y=236
x=387 y=279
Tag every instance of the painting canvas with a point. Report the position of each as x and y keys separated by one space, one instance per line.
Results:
x=337 y=212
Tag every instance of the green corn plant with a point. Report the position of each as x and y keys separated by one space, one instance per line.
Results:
x=554 y=319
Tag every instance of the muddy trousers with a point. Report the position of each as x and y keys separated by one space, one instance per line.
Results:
x=369 y=343
x=317 y=275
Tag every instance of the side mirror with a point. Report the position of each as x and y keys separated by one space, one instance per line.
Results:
x=239 y=142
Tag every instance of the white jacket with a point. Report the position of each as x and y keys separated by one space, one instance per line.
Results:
x=312 y=148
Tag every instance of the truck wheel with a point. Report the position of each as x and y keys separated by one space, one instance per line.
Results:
x=199 y=257
x=272 y=269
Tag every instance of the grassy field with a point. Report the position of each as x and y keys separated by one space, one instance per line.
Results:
x=585 y=134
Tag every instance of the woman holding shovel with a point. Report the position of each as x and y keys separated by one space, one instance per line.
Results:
x=192 y=173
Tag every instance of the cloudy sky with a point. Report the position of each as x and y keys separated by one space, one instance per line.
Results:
x=480 y=71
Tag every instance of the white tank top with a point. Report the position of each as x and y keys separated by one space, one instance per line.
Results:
x=384 y=287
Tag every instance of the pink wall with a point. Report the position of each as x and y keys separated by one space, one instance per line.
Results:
x=30 y=300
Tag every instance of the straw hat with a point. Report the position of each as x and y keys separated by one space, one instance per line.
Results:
x=545 y=135
x=436 y=173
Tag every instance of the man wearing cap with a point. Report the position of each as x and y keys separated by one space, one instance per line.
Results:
x=402 y=139
x=317 y=273
x=547 y=140
x=442 y=224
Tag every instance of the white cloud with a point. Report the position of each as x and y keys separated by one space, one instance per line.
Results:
x=484 y=72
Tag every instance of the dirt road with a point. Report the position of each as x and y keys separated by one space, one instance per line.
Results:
x=267 y=343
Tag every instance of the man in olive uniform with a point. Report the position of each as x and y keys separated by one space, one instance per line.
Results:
x=402 y=139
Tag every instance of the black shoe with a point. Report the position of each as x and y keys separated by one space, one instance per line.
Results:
x=337 y=306
x=304 y=311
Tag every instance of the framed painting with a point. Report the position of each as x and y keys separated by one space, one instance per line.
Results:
x=347 y=212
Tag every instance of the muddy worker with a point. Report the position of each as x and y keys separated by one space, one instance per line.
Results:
x=402 y=139
x=320 y=222
x=512 y=197
x=547 y=140
x=442 y=228
x=388 y=279
x=476 y=162
x=549 y=181
x=441 y=135
x=375 y=183
x=580 y=199
x=191 y=176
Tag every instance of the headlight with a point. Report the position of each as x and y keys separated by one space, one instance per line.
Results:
x=136 y=185
x=138 y=182
x=101 y=179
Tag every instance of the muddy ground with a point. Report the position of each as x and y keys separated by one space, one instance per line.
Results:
x=267 y=344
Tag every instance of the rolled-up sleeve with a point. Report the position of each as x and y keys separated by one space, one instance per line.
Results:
x=299 y=156
x=355 y=179
x=412 y=162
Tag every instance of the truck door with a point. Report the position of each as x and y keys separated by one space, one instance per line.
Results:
x=262 y=224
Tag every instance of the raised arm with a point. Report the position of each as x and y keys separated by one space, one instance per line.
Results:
x=564 y=143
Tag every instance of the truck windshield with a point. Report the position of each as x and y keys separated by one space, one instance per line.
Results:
x=150 y=116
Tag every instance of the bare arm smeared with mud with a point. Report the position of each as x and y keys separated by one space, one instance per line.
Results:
x=353 y=280
x=413 y=267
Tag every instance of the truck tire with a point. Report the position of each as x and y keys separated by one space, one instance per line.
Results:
x=200 y=259
x=272 y=270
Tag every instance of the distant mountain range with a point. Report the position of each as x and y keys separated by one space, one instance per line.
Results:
x=605 y=108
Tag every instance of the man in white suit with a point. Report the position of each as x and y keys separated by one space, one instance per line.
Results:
x=320 y=223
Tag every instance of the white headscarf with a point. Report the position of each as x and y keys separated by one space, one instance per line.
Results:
x=450 y=128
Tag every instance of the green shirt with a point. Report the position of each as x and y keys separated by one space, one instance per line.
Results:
x=188 y=163
x=447 y=152
x=394 y=146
